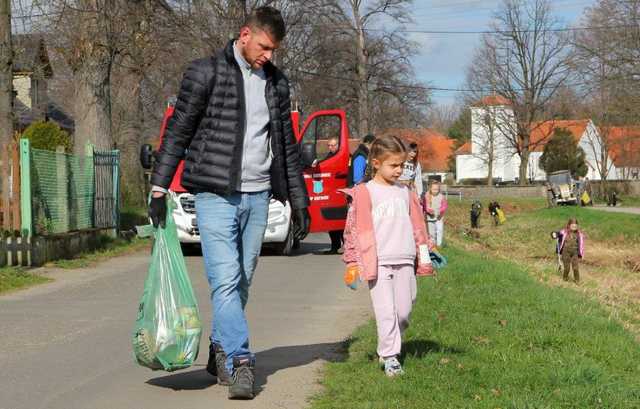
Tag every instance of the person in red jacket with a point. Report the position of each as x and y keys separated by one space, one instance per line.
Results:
x=387 y=241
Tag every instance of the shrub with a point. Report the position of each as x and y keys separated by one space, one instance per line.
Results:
x=47 y=136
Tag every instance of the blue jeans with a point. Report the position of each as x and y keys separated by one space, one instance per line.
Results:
x=231 y=232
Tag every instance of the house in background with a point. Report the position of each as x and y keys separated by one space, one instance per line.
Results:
x=434 y=148
x=492 y=120
x=31 y=71
x=624 y=148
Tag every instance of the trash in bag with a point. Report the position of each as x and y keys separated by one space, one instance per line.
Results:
x=168 y=328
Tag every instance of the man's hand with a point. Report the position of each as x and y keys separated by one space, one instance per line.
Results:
x=302 y=223
x=158 y=209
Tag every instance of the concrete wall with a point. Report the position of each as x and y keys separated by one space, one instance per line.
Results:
x=476 y=192
x=631 y=188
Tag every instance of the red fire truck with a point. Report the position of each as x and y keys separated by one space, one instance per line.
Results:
x=324 y=174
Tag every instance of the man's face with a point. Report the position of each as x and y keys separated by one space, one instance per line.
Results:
x=332 y=144
x=257 y=46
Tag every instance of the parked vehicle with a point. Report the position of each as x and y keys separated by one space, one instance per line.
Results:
x=565 y=189
x=324 y=175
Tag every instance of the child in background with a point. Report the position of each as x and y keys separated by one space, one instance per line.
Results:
x=387 y=241
x=435 y=205
x=412 y=171
x=570 y=247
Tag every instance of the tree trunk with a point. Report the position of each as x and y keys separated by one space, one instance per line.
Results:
x=93 y=104
x=524 y=166
x=129 y=139
x=6 y=75
x=363 y=88
x=92 y=63
x=490 y=173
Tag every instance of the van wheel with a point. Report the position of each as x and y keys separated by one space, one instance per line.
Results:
x=286 y=248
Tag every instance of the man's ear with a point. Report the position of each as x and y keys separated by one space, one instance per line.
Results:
x=245 y=34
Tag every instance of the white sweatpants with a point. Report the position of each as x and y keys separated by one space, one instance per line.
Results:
x=436 y=231
x=392 y=296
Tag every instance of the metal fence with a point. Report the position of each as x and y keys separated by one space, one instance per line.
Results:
x=71 y=192
x=107 y=189
x=62 y=190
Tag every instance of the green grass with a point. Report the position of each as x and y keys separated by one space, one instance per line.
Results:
x=629 y=201
x=131 y=216
x=108 y=248
x=488 y=335
x=14 y=278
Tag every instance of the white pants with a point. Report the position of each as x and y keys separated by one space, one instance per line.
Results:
x=392 y=295
x=436 y=231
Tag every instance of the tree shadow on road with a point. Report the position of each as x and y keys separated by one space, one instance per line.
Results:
x=275 y=359
x=268 y=363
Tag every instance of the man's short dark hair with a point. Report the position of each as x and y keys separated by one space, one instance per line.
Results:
x=369 y=138
x=269 y=20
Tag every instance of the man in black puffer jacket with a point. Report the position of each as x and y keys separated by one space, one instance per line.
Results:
x=232 y=126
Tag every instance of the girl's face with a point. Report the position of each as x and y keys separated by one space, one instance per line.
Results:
x=573 y=227
x=389 y=169
x=435 y=189
x=411 y=155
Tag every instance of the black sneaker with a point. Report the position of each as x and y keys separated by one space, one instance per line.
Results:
x=216 y=365
x=242 y=379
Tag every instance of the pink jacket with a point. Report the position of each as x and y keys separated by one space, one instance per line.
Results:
x=562 y=238
x=426 y=204
x=360 y=238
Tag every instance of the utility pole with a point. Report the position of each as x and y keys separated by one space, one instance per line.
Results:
x=6 y=76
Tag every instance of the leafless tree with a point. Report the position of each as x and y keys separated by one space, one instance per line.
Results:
x=526 y=62
x=607 y=59
x=6 y=75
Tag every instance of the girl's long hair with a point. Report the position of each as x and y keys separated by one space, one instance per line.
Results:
x=382 y=147
x=570 y=222
x=414 y=147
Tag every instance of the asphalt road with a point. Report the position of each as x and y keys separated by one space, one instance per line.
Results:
x=630 y=210
x=67 y=344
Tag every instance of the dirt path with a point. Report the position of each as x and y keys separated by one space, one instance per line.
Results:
x=67 y=344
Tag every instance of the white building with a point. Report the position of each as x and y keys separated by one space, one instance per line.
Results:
x=493 y=123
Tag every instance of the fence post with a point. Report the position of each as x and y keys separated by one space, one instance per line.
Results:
x=62 y=180
x=116 y=189
x=25 y=188
x=15 y=186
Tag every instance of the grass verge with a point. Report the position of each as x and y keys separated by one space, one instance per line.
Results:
x=609 y=271
x=488 y=335
x=109 y=248
x=14 y=278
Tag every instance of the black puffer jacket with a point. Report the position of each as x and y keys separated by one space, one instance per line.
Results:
x=207 y=130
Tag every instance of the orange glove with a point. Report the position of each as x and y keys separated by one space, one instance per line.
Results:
x=352 y=276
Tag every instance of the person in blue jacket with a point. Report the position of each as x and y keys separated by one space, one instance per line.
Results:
x=359 y=161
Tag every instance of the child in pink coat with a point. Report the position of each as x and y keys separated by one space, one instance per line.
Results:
x=387 y=240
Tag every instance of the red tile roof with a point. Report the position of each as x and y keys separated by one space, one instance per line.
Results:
x=434 y=148
x=624 y=145
x=492 y=100
x=542 y=132
x=464 y=149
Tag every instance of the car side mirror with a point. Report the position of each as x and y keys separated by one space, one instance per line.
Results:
x=308 y=154
x=146 y=156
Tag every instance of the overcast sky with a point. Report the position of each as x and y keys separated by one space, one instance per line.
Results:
x=444 y=57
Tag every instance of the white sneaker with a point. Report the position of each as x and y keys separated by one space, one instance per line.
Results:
x=392 y=367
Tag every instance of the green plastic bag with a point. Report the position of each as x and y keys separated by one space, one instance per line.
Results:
x=167 y=331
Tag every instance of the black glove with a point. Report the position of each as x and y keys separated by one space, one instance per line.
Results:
x=158 y=210
x=301 y=223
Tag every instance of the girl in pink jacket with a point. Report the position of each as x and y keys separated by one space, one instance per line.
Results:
x=386 y=240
